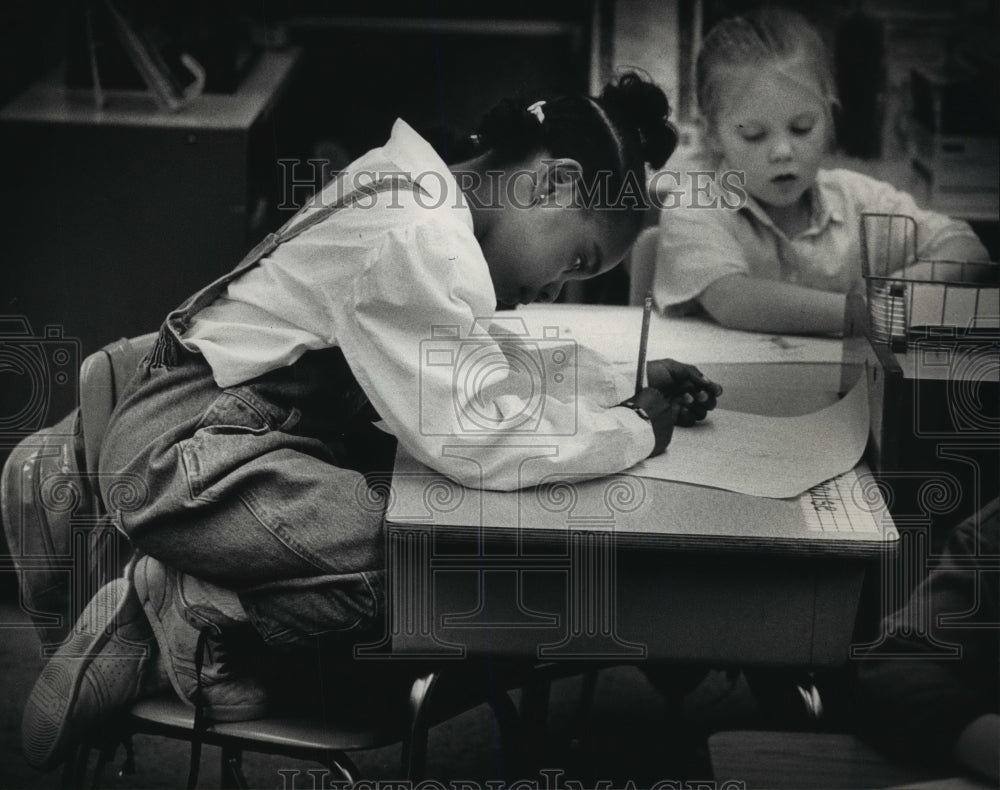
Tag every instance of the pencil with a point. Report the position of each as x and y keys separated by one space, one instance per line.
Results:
x=647 y=308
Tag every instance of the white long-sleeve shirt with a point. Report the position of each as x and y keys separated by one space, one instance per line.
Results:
x=400 y=284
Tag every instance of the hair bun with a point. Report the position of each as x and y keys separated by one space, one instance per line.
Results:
x=643 y=106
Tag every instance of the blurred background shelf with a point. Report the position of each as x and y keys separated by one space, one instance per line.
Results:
x=115 y=215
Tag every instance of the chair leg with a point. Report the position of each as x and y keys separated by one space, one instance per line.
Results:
x=414 y=757
x=811 y=701
x=69 y=768
x=588 y=690
x=534 y=713
x=342 y=765
x=75 y=771
x=509 y=724
x=106 y=755
x=128 y=766
x=231 y=776
x=786 y=699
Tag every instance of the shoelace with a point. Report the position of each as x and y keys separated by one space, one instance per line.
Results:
x=201 y=721
x=218 y=650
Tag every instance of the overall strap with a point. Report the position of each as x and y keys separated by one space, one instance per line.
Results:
x=387 y=183
x=179 y=320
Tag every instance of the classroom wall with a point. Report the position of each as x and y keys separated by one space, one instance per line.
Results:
x=646 y=35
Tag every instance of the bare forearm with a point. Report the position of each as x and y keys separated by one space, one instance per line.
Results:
x=959 y=248
x=746 y=303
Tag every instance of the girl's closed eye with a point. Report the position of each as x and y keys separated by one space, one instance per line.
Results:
x=751 y=132
x=803 y=124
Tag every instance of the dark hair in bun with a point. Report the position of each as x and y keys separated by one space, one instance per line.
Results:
x=614 y=135
x=640 y=111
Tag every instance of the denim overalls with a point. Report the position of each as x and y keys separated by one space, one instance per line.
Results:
x=259 y=487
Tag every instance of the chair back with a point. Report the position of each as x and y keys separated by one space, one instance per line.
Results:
x=59 y=539
x=642 y=265
x=103 y=375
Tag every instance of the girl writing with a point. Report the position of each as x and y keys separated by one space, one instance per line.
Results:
x=271 y=396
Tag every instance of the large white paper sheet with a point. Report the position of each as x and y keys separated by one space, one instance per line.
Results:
x=778 y=457
x=614 y=331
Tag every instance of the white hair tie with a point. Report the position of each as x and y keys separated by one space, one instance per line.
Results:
x=536 y=110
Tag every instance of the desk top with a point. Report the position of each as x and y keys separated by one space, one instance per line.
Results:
x=50 y=101
x=842 y=517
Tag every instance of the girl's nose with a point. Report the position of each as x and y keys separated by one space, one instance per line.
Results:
x=782 y=149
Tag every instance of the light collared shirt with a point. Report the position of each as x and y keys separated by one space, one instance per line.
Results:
x=400 y=284
x=699 y=243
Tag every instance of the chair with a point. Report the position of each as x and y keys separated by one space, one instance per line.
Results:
x=102 y=377
x=315 y=739
x=642 y=265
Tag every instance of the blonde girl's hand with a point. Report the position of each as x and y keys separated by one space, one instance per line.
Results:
x=684 y=385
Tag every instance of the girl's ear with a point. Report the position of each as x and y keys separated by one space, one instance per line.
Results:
x=558 y=180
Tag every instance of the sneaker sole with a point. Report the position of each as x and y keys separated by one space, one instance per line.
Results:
x=52 y=719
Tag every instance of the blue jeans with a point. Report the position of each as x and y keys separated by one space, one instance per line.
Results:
x=260 y=488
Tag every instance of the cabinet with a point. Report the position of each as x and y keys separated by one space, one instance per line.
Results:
x=112 y=216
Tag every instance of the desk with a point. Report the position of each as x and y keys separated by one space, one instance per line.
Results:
x=624 y=568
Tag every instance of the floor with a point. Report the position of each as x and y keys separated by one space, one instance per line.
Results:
x=628 y=738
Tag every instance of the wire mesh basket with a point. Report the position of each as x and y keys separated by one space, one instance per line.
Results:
x=915 y=299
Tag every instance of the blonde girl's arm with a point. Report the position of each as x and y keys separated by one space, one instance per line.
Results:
x=737 y=301
x=696 y=247
x=938 y=236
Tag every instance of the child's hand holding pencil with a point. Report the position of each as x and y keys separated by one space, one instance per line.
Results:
x=685 y=386
x=676 y=394
x=690 y=394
